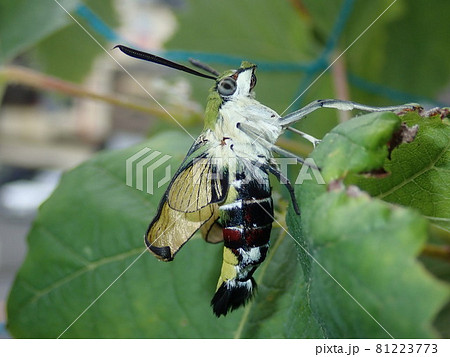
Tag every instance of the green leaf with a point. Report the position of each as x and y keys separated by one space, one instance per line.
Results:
x=280 y=282
x=71 y=58
x=420 y=172
x=70 y=52
x=361 y=267
x=85 y=276
x=428 y=69
x=87 y=270
x=368 y=248
x=381 y=51
x=257 y=35
x=375 y=40
x=60 y=45
x=251 y=37
x=23 y=23
x=91 y=231
x=86 y=235
x=343 y=151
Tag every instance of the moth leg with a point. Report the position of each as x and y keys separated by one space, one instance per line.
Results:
x=286 y=153
x=308 y=137
x=285 y=182
x=340 y=105
x=249 y=131
x=299 y=159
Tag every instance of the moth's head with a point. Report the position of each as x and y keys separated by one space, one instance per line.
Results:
x=236 y=83
x=230 y=84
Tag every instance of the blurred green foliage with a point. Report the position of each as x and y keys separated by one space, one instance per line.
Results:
x=91 y=229
x=43 y=32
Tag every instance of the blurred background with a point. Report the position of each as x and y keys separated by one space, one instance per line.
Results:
x=65 y=95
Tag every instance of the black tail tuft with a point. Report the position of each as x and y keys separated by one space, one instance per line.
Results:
x=231 y=295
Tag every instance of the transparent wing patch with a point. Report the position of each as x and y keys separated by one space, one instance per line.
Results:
x=189 y=203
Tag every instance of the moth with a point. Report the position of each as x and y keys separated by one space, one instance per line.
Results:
x=222 y=187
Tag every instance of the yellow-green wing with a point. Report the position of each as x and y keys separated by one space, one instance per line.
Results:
x=190 y=202
x=198 y=185
x=171 y=229
x=212 y=231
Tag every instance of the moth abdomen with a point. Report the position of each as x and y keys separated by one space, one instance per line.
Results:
x=247 y=223
x=236 y=284
x=232 y=294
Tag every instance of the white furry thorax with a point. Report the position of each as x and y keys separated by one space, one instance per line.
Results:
x=230 y=140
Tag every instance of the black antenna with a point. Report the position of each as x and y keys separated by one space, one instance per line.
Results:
x=159 y=60
x=204 y=66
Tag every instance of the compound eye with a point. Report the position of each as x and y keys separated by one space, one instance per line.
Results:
x=227 y=86
x=253 y=82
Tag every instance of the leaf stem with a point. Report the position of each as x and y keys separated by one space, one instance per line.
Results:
x=339 y=75
x=437 y=251
x=28 y=77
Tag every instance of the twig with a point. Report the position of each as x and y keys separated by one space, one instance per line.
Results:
x=28 y=77
x=437 y=251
